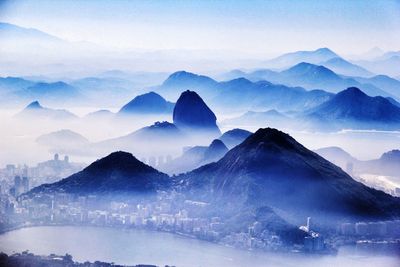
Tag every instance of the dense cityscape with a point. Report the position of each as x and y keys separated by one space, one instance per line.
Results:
x=169 y=212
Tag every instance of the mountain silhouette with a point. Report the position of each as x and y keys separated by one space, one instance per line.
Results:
x=354 y=105
x=36 y=111
x=149 y=103
x=270 y=168
x=119 y=172
x=234 y=137
x=191 y=112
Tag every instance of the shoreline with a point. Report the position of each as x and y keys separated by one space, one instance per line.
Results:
x=176 y=234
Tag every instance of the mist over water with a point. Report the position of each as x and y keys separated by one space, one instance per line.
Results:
x=138 y=246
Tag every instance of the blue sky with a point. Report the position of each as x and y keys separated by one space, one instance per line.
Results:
x=247 y=26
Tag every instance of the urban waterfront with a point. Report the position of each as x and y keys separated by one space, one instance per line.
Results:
x=134 y=246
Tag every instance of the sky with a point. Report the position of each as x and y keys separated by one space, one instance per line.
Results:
x=248 y=26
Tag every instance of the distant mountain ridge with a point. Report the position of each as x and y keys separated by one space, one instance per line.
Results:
x=353 y=105
x=290 y=59
x=36 y=111
x=149 y=103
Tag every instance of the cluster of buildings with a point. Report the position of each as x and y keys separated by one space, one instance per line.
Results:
x=45 y=172
x=162 y=214
x=371 y=229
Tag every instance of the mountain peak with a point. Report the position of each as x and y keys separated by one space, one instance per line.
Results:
x=192 y=112
x=150 y=102
x=118 y=172
x=34 y=105
x=352 y=92
x=325 y=50
x=271 y=136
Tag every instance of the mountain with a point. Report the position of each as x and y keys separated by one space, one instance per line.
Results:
x=244 y=94
x=13 y=31
x=149 y=103
x=352 y=106
x=64 y=141
x=182 y=80
x=55 y=92
x=387 y=64
x=290 y=59
x=387 y=165
x=195 y=157
x=119 y=172
x=386 y=83
x=337 y=156
x=35 y=111
x=102 y=114
x=191 y=113
x=214 y=151
x=234 y=137
x=272 y=169
x=12 y=84
x=312 y=76
x=271 y=118
x=344 y=67
x=160 y=139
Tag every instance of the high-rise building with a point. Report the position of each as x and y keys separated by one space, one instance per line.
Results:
x=17 y=181
x=66 y=159
x=25 y=183
x=56 y=157
x=309 y=224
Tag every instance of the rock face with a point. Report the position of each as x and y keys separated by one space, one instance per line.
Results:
x=270 y=168
x=150 y=103
x=119 y=172
x=192 y=113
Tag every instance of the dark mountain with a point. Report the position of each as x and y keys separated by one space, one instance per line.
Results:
x=119 y=172
x=36 y=111
x=149 y=103
x=182 y=80
x=271 y=169
x=341 y=66
x=290 y=59
x=190 y=112
x=234 y=137
x=352 y=105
